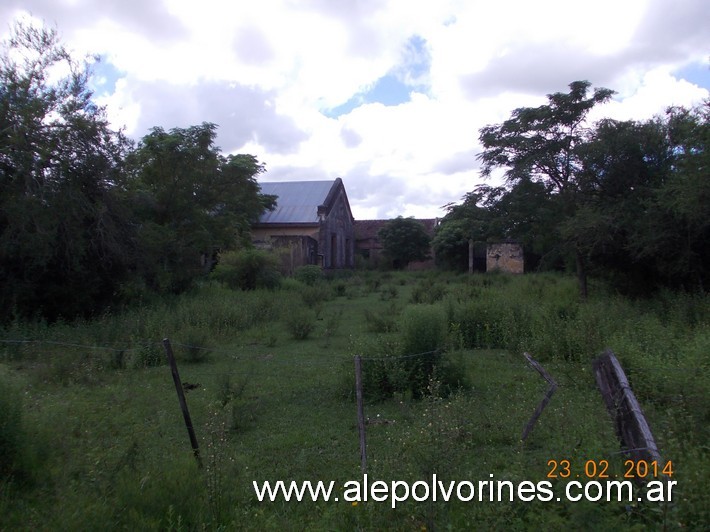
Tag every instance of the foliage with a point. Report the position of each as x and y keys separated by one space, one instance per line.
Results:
x=404 y=240
x=195 y=346
x=300 y=322
x=65 y=239
x=624 y=201
x=423 y=333
x=308 y=274
x=248 y=269
x=383 y=320
x=122 y=444
x=544 y=144
x=87 y=220
x=192 y=202
x=314 y=296
x=428 y=291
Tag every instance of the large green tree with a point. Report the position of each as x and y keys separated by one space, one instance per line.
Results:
x=624 y=164
x=191 y=201
x=404 y=240
x=64 y=237
x=543 y=144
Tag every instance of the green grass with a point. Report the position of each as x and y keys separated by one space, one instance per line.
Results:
x=101 y=442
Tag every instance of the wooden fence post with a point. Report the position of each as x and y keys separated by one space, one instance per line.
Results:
x=551 y=390
x=360 y=413
x=631 y=426
x=183 y=403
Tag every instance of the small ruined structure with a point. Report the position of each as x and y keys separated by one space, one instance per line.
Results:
x=311 y=224
x=506 y=257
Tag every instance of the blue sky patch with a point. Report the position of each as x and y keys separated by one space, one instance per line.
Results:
x=697 y=73
x=395 y=87
x=104 y=77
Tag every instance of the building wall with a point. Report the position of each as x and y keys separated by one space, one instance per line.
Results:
x=295 y=251
x=337 y=235
x=506 y=257
x=264 y=234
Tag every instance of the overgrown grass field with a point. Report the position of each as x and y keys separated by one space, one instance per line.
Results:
x=92 y=437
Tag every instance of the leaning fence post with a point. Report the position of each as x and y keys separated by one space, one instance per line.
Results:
x=360 y=413
x=183 y=403
x=545 y=400
x=630 y=423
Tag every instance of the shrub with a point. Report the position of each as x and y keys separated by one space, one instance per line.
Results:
x=383 y=373
x=424 y=333
x=315 y=295
x=428 y=291
x=195 y=346
x=309 y=274
x=423 y=329
x=148 y=355
x=382 y=321
x=248 y=269
x=300 y=322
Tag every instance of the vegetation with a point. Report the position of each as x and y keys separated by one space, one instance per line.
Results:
x=89 y=221
x=91 y=436
x=404 y=240
x=620 y=200
x=90 y=407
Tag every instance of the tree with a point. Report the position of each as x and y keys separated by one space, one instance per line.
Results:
x=684 y=200
x=404 y=240
x=64 y=236
x=543 y=144
x=192 y=201
x=623 y=165
x=463 y=224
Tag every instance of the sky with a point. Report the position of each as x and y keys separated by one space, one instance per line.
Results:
x=389 y=95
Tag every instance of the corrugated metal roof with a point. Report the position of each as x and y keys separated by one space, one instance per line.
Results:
x=297 y=201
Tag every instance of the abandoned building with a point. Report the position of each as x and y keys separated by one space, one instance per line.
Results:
x=369 y=247
x=505 y=256
x=311 y=224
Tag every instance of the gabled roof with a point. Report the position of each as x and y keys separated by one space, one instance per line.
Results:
x=298 y=201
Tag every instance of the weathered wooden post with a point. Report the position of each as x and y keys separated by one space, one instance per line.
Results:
x=360 y=413
x=551 y=390
x=631 y=426
x=183 y=403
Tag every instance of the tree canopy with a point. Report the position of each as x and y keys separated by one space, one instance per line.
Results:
x=544 y=144
x=623 y=200
x=86 y=217
x=404 y=240
x=64 y=235
x=191 y=201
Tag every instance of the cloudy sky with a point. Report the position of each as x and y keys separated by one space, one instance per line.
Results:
x=387 y=94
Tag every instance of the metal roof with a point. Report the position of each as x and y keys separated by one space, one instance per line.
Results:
x=297 y=201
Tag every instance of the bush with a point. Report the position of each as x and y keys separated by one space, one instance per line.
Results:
x=424 y=334
x=300 y=322
x=248 y=269
x=195 y=346
x=314 y=296
x=148 y=355
x=382 y=321
x=428 y=291
x=423 y=329
x=309 y=274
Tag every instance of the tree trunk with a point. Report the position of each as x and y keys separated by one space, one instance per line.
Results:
x=470 y=255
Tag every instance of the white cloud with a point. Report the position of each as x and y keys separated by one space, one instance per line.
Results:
x=265 y=72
